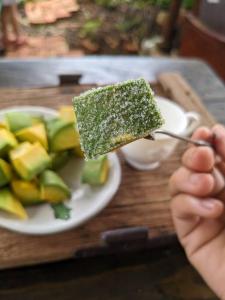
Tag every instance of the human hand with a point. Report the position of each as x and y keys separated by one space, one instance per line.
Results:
x=198 y=191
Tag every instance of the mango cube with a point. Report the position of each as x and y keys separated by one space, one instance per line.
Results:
x=66 y=113
x=53 y=188
x=9 y=203
x=95 y=171
x=5 y=172
x=7 y=141
x=62 y=135
x=29 y=160
x=35 y=133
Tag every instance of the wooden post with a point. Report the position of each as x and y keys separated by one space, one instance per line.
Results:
x=196 y=7
x=170 y=29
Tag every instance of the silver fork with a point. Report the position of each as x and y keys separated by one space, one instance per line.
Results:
x=179 y=137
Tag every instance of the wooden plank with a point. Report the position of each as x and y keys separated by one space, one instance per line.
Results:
x=142 y=200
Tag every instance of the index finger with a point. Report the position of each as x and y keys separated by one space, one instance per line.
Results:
x=200 y=159
x=203 y=133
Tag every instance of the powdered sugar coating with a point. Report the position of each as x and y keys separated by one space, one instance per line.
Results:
x=112 y=116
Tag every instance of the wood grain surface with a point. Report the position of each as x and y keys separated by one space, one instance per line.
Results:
x=142 y=199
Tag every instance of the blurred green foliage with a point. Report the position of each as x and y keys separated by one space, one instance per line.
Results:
x=129 y=24
x=141 y=3
x=90 y=28
x=136 y=3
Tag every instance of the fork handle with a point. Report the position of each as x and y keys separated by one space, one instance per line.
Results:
x=182 y=138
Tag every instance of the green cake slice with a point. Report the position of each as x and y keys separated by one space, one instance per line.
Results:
x=115 y=115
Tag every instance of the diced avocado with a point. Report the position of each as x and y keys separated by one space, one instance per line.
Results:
x=38 y=120
x=62 y=135
x=28 y=192
x=35 y=133
x=66 y=112
x=5 y=172
x=9 y=203
x=59 y=159
x=29 y=160
x=78 y=152
x=7 y=141
x=18 y=120
x=53 y=188
x=95 y=172
x=20 y=149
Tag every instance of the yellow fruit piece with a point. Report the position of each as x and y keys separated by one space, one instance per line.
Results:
x=65 y=139
x=9 y=203
x=35 y=133
x=62 y=135
x=27 y=191
x=95 y=171
x=21 y=149
x=66 y=112
x=29 y=160
x=53 y=194
x=104 y=172
x=3 y=125
x=5 y=172
x=53 y=188
x=7 y=141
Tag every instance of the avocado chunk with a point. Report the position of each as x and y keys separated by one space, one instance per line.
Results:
x=29 y=160
x=18 y=120
x=95 y=172
x=7 y=141
x=62 y=135
x=9 y=203
x=35 y=133
x=66 y=112
x=37 y=120
x=53 y=188
x=27 y=191
x=59 y=159
x=5 y=172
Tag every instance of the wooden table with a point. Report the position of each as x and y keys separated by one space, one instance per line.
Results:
x=159 y=274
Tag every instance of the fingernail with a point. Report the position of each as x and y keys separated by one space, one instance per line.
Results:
x=195 y=178
x=208 y=204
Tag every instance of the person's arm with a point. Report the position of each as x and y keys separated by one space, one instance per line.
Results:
x=198 y=191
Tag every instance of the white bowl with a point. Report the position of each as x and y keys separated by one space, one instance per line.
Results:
x=85 y=201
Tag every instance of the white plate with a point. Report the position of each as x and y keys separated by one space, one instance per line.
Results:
x=85 y=202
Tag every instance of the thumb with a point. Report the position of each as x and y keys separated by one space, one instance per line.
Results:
x=187 y=210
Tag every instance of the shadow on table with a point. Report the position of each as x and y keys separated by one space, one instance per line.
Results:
x=156 y=275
